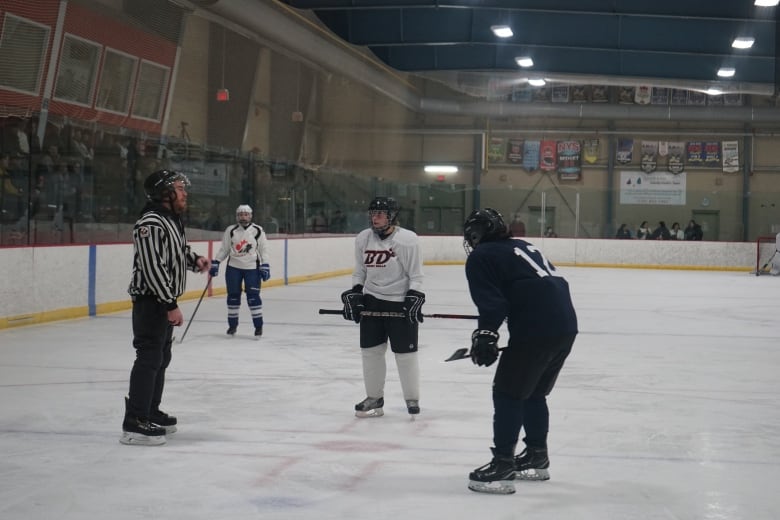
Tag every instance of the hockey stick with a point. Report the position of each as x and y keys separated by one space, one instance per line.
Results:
x=379 y=314
x=208 y=282
x=464 y=353
x=767 y=263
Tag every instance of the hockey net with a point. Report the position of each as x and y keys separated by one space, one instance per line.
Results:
x=765 y=249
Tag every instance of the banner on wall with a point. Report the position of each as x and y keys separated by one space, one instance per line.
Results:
x=590 y=151
x=531 y=155
x=730 y=156
x=625 y=151
x=648 y=161
x=496 y=150
x=657 y=189
x=712 y=154
x=569 y=160
x=514 y=152
x=548 y=156
x=206 y=178
x=675 y=163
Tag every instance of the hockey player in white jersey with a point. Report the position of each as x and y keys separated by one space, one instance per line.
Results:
x=245 y=246
x=388 y=278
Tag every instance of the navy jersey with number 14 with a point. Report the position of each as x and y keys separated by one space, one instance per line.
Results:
x=513 y=279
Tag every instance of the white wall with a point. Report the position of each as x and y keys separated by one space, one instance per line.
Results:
x=49 y=283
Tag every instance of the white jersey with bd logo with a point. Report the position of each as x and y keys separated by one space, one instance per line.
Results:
x=388 y=268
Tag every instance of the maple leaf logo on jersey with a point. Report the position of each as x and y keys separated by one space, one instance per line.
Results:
x=243 y=247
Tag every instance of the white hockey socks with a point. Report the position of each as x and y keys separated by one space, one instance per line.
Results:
x=409 y=374
x=374 y=370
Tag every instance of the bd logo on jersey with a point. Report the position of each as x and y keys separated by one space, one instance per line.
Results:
x=378 y=258
x=243 y=247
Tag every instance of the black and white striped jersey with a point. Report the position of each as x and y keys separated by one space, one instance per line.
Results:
x=161 y=256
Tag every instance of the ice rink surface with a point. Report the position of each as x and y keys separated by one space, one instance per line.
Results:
x=666 y=409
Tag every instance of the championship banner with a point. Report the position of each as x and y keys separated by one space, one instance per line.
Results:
x=548 y=155
x=514 y=152
x=579 y=93
x=663 y=148
x=675 y=163
x=531 y=155
x=642 y=95
x=658 y=189
x=496 y=150
x=626 y=95
x=694 y=152
x=730 y=156
x=591 y=151
x=648 y=162
x=660 y=96
x=599 y=94
x=712 y=154
x=560 y=94
x=569 y=160
x=206 y=178
x=625 y=151
x=698 y=99
x=679 y=96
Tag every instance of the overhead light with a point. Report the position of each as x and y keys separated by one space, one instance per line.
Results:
x=502 y=31
x=743 y=42
x=714 y=91
x=441 y=168
x=766 y=3
x=726 y=72
x=537 y=82
x=524 y=61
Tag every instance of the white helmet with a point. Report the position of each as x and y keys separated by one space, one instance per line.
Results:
x=244 y=214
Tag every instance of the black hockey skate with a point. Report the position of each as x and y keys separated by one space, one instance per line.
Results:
x=494 y=477
x=141 y=432
x=167 y=422
x=231 y=331
x=258 y=332
x=370 y=407
x=532 y=464
x=413 y=406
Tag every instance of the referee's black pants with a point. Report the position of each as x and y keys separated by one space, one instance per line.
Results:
x=152 y=340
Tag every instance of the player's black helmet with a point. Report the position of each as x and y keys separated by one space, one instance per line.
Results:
x=483 y=225
x=388 y=205
x=159 y=185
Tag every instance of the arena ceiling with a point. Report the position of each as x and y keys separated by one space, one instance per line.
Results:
x=673 y=43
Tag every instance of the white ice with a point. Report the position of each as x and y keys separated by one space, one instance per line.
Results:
x=666 y=409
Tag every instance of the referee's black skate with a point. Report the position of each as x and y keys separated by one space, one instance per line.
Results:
x=370 y=407
x=494 y=477
x=532 y=464
x=141 y=432
x=167 y=422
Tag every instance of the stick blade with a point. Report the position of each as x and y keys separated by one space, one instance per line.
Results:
x=461 y=353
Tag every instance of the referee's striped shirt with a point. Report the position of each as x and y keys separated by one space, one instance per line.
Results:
x=161 y=256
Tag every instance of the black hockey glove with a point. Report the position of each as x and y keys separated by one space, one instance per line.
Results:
x=413 y=305
x=354 y=303
x=484 y=347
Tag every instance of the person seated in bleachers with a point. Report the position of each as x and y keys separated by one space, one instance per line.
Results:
x=661 y=232
x=623 y=233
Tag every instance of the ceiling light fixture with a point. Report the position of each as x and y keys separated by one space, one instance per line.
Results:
x=726 y=72
x=502 y=31
x=537 y=82
x=743 y=42
x=441 y=168
x=766 y=3
x=524 y=61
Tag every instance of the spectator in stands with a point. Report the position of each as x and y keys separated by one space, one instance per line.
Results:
x=676 y=232
x=550 y=232
x=693 y=231
x=644 y=231
x=661 y=232
x=10 y=194
x=517 y=227
x=623 y=233
x=338 y=223
x=318 y=223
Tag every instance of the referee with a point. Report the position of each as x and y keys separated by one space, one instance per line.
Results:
x=161 y=258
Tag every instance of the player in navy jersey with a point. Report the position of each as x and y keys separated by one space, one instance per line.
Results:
x=511 y=279
x=387 y=278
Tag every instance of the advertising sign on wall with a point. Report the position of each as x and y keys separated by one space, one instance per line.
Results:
x=658 y=188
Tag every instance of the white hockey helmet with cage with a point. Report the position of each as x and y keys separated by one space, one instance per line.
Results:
x=244 y=214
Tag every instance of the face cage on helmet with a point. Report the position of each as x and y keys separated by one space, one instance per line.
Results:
x=165 y=186
x=242 y=221
x=392 y=219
